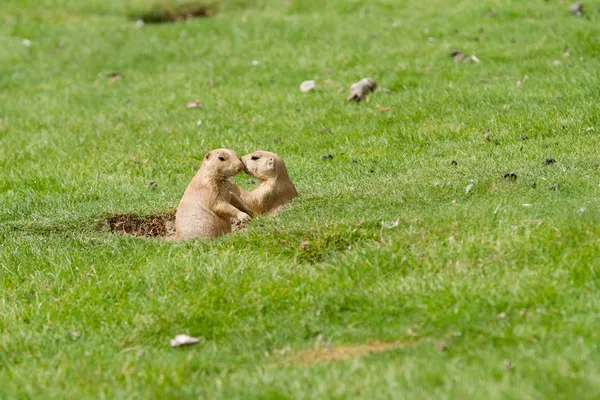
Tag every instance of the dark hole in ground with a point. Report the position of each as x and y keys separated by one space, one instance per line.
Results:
x=166 y=13
x=156 y=226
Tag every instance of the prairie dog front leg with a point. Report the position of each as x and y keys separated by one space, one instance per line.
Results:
x=226 y=210
x=239 y=204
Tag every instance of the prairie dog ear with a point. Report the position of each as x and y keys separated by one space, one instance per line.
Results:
x=270 y=162
x=207 y=156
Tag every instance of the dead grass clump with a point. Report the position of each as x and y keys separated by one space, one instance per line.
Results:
x=159 y=225
x=168 y=13
x=335 y=353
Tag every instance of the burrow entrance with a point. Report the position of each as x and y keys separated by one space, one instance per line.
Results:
x=155 y=226
x=165 y=13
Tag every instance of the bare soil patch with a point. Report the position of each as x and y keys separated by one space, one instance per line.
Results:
x=169 y=13
x=335 y=353
x=155 y=226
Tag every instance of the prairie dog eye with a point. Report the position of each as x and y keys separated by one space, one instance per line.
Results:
x=254 y=158
x=222 y=158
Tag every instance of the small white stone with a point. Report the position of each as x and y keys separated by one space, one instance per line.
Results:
x=139 y=23
x=26 y=42
x=255 y=62
x=183 y=340
x=199 y=122
x=307 y=86
x=468 y=188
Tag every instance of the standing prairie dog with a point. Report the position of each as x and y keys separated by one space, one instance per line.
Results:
x=208 y=206
x=275 y=189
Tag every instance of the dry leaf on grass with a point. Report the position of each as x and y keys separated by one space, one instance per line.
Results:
x=194 y=104
x=361 y=88
x=382 y=108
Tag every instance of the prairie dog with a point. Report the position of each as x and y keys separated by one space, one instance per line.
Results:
x=208 y=206
x=275 y=189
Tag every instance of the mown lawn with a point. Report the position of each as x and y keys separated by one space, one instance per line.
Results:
x=486 y=293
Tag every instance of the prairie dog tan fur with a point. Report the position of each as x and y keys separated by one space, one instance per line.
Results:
x=208 y=207
x=275 y=189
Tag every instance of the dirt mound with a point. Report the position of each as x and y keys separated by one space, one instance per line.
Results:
x=167 y=13
x=155 y=226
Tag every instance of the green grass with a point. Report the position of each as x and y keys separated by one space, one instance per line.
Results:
x=89 y=314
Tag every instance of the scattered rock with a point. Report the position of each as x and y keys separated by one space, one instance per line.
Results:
x=511 y=176
x=307 y=86
x=328 y=157
x=361 y=88
x=576 y=9
x=554 y=187
x=255 y=62
x=532 y=184
x=549 y=161
x=183 y=340
x=26 y=42
x=501 y=315
x=468 y=188
x=556 y=63
x=152 y=185
x=194 y=104
x=382 y=109
x=453 y=162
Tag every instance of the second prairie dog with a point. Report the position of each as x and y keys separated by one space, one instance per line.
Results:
x=208 y=207
x=275 y=189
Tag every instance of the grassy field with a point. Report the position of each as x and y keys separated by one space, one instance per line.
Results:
x=486 y=293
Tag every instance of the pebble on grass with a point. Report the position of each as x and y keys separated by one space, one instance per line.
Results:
x=549 y=161
x=576 y=9
x=183 y=340
x=194 y=104
x=307 y=86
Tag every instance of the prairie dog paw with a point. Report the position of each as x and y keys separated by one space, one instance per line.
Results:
x=240 y=221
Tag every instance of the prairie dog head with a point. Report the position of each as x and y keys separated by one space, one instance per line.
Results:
x=264 y=165
x=223 y=162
